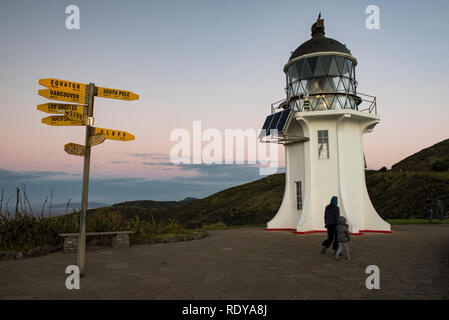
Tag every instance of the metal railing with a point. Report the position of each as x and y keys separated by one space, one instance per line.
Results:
x=372 y=103
x=367 y=103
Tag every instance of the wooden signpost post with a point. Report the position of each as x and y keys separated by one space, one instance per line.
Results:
x=81 y=115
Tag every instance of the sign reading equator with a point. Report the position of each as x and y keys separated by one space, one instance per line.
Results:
x=63 y=85
x=56 y=94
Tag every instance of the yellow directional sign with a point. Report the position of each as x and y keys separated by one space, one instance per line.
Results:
x=115 y=134
x=63 y=85
x=61 y=108
x=77 y=116
x=97 y=139
x=116 y=94
x=56 y=94
x=75 y=149
x=61 y=121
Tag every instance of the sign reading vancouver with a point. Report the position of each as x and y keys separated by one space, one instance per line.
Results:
x=56 y=94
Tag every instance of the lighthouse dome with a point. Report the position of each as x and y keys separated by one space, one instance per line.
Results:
x=322 y=71
x=319 y=44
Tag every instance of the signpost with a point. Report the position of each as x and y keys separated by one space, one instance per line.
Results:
x=81 y=115
x=61 y=121
x=97 y=139
x=77 y=116
x=75 y=149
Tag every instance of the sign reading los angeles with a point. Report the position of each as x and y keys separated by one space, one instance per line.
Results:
x=61 y=108
x=81 y=114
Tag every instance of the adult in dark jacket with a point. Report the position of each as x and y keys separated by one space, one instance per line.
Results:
x=331 y=215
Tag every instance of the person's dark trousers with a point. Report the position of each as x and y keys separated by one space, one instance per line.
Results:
x=331 y=236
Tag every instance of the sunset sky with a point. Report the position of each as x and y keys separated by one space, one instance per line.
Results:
x=219 y=62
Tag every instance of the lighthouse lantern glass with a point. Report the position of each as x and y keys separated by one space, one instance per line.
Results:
x=320 y=77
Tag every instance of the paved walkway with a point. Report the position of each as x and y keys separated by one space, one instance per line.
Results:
x=245 y=264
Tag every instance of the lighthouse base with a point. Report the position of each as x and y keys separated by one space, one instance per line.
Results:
x=331 y=163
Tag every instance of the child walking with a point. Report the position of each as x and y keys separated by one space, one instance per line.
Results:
x=343 y=238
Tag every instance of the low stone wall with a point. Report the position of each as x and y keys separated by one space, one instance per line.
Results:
x=70 y=244
x=121 y=240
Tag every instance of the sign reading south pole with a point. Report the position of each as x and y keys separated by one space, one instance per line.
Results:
x=116 y=94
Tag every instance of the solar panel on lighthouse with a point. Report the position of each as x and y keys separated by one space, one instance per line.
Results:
x=276 y=121
x=283 y=120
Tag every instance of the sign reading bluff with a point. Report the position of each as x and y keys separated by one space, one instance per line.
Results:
x=115 y=134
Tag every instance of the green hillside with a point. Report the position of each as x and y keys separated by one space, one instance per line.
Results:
x=250 y=203
x=395 y=195
x=434 y=158
x=403 y=194
x=399 y=193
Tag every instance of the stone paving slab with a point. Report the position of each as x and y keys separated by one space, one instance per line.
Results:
x=247 y=263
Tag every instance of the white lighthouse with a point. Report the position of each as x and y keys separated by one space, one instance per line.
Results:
x=321 y=124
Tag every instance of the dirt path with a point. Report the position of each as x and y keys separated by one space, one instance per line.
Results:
x=245 y=264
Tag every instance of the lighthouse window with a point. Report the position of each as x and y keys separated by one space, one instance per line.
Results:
x=323 y=144
x=298 y=195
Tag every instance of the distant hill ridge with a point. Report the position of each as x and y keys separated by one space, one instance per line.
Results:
x=153 y=204
x=397 y=193
x=434 y=158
